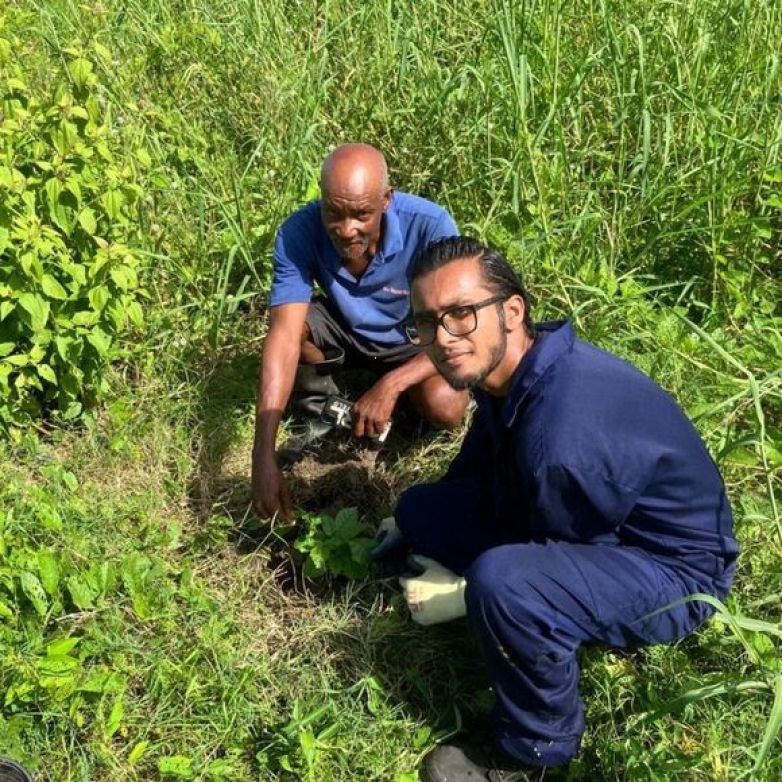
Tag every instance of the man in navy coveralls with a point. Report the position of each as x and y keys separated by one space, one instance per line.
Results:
x=356 y=242
x=582 y=502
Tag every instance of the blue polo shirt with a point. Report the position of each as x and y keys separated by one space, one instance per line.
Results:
x=375 y=305
x=585 y=448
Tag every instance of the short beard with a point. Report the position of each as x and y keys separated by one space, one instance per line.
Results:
x=470 y=382
x=360 y=253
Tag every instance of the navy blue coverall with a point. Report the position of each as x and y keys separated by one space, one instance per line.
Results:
x=579 y=504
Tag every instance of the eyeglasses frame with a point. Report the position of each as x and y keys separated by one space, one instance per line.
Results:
x=439 y=320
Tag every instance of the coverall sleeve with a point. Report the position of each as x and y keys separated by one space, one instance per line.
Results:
x=571 y=503
x=475 y=453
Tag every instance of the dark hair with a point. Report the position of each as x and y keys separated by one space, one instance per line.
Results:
x=499 y=276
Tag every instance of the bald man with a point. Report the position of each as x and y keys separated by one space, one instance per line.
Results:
x=356 y=242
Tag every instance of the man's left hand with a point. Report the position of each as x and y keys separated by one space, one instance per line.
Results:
x=372 y=412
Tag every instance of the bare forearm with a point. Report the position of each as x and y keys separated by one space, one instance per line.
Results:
x=278 y=369
x=266 y=425
x=410 y=374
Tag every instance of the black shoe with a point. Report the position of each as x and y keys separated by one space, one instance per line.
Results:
x=463 y=762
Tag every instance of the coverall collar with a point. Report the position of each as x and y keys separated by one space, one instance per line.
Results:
x=553 y=339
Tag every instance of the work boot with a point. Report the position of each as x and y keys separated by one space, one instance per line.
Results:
x=313 y=384
x=465 y=762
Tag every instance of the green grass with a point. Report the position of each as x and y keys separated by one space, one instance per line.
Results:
x=626 y=156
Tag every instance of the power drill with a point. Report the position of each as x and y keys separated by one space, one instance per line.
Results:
x=337 y=412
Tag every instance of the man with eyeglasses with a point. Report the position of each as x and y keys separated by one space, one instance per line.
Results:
x=356 y=242
x=583 y=508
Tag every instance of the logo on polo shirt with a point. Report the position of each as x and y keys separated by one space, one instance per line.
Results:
x=397 y=291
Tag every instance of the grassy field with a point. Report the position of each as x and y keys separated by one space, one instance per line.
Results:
x=627 y=156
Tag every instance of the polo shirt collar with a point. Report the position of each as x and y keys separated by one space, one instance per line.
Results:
x=392 y=233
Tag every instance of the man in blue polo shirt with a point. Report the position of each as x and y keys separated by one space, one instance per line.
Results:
x=582 y=505
x=356 y=243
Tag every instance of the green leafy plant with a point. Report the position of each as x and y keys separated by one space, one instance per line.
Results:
x=69 y=196
x=38 y=584
x=336 y=544
x=48 y=570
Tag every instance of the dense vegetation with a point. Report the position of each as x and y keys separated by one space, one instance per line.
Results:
x=626 y=156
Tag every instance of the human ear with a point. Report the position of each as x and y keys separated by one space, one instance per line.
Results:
x=514 y=313
x=387 y=198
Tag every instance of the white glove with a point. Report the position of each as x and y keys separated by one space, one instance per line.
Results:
x=437 y=595
x=388 y=540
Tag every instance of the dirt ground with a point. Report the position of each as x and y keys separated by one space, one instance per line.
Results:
x=339 y=473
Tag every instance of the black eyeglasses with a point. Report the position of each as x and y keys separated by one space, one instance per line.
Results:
x=458 y=321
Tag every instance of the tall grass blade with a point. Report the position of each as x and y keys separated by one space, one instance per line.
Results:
x=772 y=728
x=729 y=686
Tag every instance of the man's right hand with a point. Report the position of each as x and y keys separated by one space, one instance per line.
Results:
x=388 y=540
x=270 y=494
x=389 y=554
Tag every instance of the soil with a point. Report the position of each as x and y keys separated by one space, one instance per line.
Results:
x=340 y=474
x=328 y=474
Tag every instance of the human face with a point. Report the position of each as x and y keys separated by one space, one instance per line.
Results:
x=352 y=214
x=471 y=359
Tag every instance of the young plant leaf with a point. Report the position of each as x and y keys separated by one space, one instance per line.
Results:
x=34 y=591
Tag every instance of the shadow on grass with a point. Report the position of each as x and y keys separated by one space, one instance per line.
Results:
x=320 y=485
x=334 y=473
x=435 y=676
x=435 y=673
x=227 y=387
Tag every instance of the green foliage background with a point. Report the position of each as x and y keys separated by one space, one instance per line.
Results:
x=68 y=277
x=626 y=156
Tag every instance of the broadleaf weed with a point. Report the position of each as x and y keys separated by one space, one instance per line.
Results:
x=336 y=545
